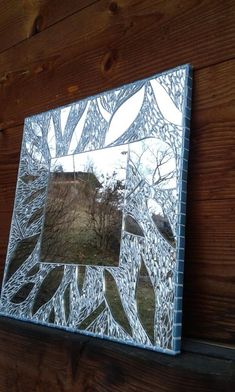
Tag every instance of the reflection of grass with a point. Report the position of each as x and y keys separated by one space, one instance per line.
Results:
x=80 y=227
x=48 y=287
x=114 y=302
x=146 y=305
x=75 y=242
x=77 y=251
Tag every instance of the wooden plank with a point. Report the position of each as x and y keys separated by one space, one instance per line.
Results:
x=209 y=290
x=10 y=143
x=206 y=348
x=211 y=168
x=21 y=20
x=49 y=360
x=108 y=44
x=5 y=221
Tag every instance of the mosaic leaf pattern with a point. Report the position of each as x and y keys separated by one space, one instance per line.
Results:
x=80 y=298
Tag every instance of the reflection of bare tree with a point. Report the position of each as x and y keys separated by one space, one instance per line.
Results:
x=83 y=218
x=60 y=216
x=104 y=212
x=156 y=164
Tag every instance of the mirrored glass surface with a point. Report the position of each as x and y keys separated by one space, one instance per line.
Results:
x=97 y=234
x=83 y=213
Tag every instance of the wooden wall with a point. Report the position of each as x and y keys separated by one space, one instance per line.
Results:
x=53 y=52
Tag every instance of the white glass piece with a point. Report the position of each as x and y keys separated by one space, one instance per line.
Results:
x=124 y=116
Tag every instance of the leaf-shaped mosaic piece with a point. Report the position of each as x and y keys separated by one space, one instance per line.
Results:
x=92 y=316
x=163 y=225
x=22 y=251
x=67 y=302
x=22 y=293
x=81 y=278
x=28 y=178
x=34 y=152
x=35 y=216
x=161 y=221
x=64 y=117
x=33 y=271
x=51 y=318
x=34 y=195
x=51 y=139
x=105 y=114
x=124 y=116
x=145 y=298
x=167 y=107
x=114 y=302
x=48 y=287
x=37 y=129
x=132 y=226
x=78 y=130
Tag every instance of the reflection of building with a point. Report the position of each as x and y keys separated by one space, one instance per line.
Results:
x=80 y=177
x=75 y=184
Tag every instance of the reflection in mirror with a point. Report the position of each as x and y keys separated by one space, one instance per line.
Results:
x=145 y=299
x=83 y=216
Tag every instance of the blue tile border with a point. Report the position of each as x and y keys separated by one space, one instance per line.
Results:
x=182 y=217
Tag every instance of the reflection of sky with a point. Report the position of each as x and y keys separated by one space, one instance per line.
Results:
x=101 y=162
x=154 y=207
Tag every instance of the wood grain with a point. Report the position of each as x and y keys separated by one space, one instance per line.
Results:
x=209 y=285
x=10 y=142
x=50 y=360
x=54 y=52
x=108 y=44
x=21 y=20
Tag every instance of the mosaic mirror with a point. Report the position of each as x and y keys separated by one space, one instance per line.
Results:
x=97 y=236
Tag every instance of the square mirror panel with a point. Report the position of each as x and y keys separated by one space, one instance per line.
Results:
x=97 y=236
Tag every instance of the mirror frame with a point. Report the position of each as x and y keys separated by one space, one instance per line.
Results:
x=94 y=123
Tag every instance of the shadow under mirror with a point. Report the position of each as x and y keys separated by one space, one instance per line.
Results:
x=83 y=214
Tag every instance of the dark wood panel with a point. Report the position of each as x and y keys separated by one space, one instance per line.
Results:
x=10 y=143
x=5 y=221
x=209 y=285
x=48 y=360
x=108 y=44
x=212 y=154
x=20 y=20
